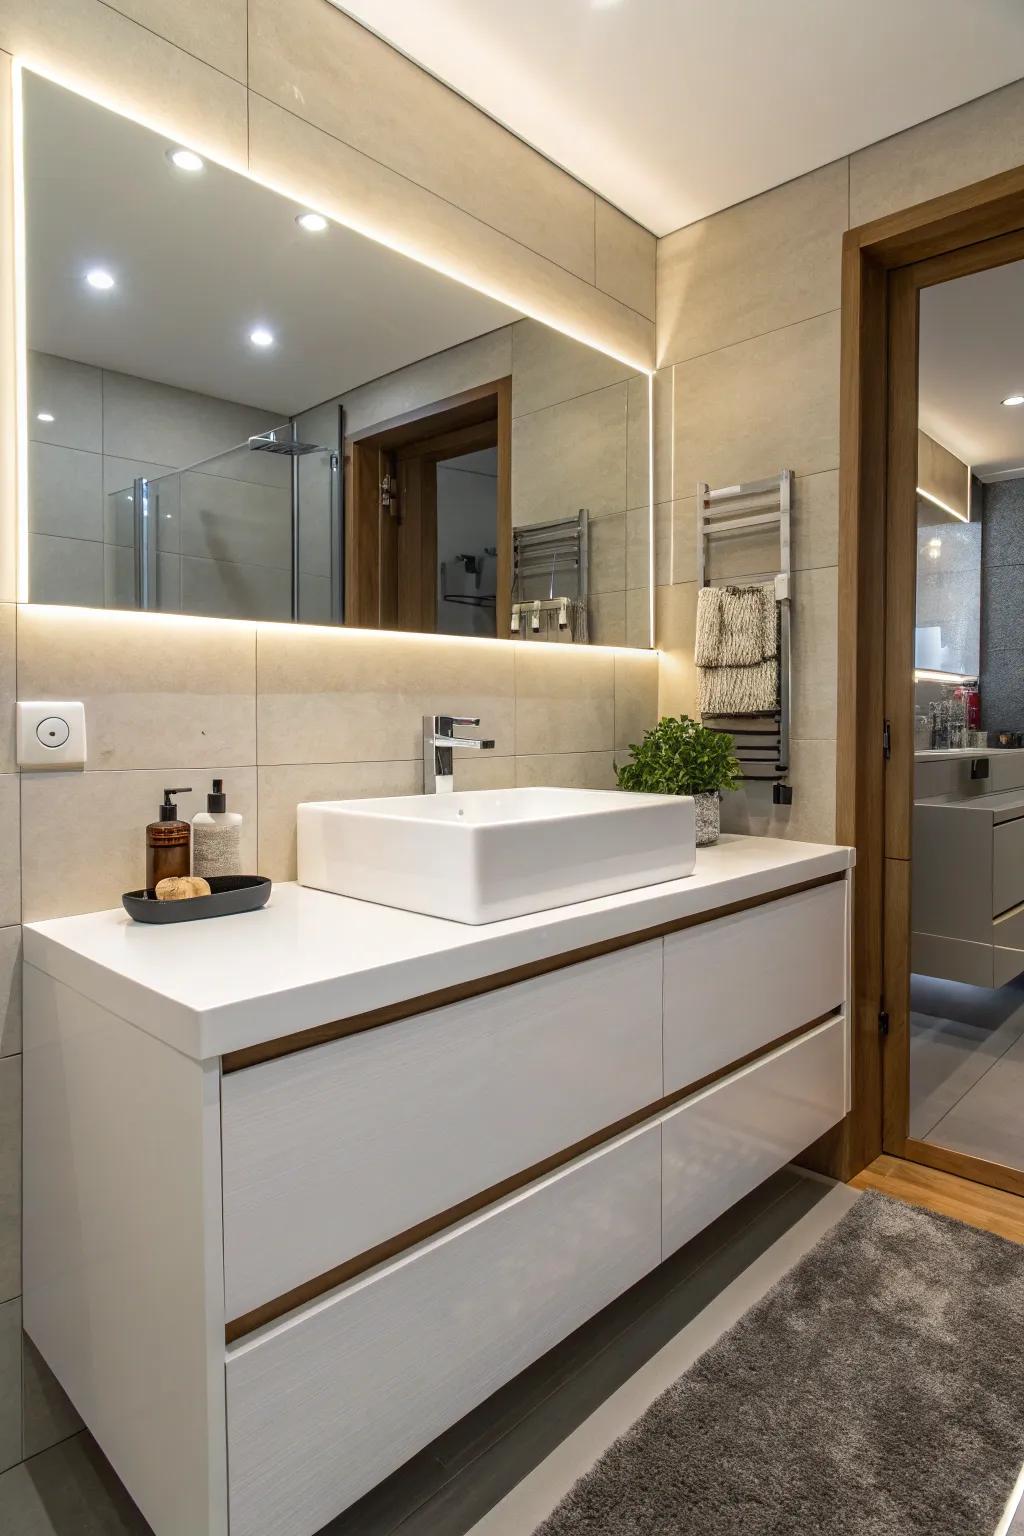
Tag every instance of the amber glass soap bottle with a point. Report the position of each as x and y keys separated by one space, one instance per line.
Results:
x=167 y=842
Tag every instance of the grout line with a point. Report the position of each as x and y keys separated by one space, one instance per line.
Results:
x=132 y=21
x=741 y=341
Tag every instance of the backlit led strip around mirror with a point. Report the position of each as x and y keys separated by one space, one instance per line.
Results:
x=21 y=64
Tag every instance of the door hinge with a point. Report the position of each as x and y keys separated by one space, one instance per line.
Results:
x=886 y=740
x=883 y=1022
x=389 y=495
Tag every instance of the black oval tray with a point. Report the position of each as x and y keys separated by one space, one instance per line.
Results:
x=228 y=893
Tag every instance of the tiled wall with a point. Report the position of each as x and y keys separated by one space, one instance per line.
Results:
x=109 y=428
x=748 y=384
x=307 y=99
x=1002 y=602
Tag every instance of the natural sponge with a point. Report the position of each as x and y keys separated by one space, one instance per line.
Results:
x=182 y=888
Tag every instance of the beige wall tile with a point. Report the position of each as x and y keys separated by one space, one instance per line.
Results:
x=85 y=833
x=606 y=618
x=65 y=492
x=638 y=617
x=214 y=33
x=10 y=991
x=479 y=361
x=156 y=690
x=636 y=696
x=284 y=787
x=548 y=367
x=10 y=849
x=8 y=685
x=606 y=537
x=229 y=590
x=638 y=545
x=65 y=571
x=675 y=623
x=565 y=699
x=336 y=696
x=812 y=816
x=135 y=71
x=8 y=381
x=567 y=770
x=973 y=141
x=10 y=1384
x=814 y=654
x=638 y=442
x=357 y=189
x=484 y=770
x=146 y=420
x=569 y=456
x=72 y=393
x=664 y=446
x=626 y=254
x=814 y=531
x=10 y=1177
x=308 y=57
x=756 y=267
x=763 y=405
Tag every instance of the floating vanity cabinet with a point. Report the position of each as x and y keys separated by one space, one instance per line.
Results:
x=968 y=888
x=305 y=1186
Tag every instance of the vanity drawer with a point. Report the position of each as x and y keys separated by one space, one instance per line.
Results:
x=332 y=1150
x=734 y=985
x=324 y=1405
x=722 y=1143
x=1007 y=865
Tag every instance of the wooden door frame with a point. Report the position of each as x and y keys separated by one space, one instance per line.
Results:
x=491 y=401
x=962 y=231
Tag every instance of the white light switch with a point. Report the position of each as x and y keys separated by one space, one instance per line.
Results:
x=51 y=735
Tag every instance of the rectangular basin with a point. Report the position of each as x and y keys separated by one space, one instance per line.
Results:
x=479 y=855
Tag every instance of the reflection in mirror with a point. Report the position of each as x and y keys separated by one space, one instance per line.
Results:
x=239 y=408
x=967 y=987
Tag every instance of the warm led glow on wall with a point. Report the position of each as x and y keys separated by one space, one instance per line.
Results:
x=943 y=506
x=216 y=157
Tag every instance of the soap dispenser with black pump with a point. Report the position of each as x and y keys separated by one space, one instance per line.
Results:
x=216 y=837
x=168 y=851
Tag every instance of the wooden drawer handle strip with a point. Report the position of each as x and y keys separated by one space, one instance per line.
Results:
x=302 y=1295
x=321 y=1034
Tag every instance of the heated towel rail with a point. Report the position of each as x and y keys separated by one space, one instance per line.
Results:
x=761 y=741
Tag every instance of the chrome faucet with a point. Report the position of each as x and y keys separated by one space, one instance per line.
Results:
x=439 y=742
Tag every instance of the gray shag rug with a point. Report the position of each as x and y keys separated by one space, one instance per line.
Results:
x=877 y=1390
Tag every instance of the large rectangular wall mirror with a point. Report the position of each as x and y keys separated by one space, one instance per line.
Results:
x=238 y=408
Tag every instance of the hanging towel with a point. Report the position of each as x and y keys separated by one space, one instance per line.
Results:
x=737 y=650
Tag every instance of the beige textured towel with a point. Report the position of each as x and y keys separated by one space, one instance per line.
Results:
x=739 y=690
x=737 y=650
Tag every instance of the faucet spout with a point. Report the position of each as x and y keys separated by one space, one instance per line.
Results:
x=439 y=743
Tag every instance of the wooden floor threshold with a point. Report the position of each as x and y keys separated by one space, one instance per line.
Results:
x=977 y=1205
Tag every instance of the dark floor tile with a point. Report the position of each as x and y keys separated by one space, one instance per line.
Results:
x=384 y=1508
x=69 y=1490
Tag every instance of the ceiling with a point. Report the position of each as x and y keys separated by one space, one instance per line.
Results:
x=202 y=259
x=971 y=358
x=673 y=109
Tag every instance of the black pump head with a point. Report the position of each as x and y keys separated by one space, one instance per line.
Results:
x=218 y=800
x=169 y=811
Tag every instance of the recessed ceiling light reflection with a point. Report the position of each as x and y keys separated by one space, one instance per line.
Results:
x=313 y=223
x=261 y=337
x=1014 y=400
x=100 y=279
x=186 y=159
x=44 y=416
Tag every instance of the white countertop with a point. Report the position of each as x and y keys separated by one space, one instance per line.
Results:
x=309 y=957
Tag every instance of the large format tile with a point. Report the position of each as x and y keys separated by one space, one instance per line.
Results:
x=606 y=566
x=68 y=572
x=752 y=268
x=65 y=492
x=9 y=344
x=347 y=81
x=127 y=64
x=119 y=476
x=226 y=589
x=10 y=1396
x=812 y=816
x=568 y=770
x=214 y=33
x=10 y=1177
x=10 y=849
x=814 y=534
x=565 y=699
x=284 y=787
x=973 y=141
x=548 y=368
x=8 y=685
x=986 y=1122
x=72 y=393
x=235 y=520
x=482 y=360
x=48 y=1415
x=70 y=1490
x=675 y=631
x=163 y=425
x=625 y=258
x=359 y=190
x=156 y=690
x=10 y=990
x=606 y=618
x=749 y=410
x=359 y=695
x=639 y=447
x=814 y=653
x=85 y=834
x=636 y=695
x=570 y=456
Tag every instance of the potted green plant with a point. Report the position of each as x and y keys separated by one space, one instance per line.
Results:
x=682 y=757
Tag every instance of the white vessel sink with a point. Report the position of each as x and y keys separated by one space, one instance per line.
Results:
x=479 y=855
